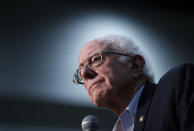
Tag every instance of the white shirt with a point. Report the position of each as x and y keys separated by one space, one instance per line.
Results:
x=127 y=117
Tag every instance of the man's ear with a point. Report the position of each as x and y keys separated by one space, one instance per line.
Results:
x=136 y=65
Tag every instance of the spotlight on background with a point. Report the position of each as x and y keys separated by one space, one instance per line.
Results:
x=88 y=26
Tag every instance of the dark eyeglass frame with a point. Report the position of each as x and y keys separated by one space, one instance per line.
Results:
x=77 y=77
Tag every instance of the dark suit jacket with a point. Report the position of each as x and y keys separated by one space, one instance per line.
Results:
x=169 y=105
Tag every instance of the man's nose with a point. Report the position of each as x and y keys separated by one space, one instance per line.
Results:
x=88 y=73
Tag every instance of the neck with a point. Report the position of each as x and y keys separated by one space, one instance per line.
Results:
x=119 y=104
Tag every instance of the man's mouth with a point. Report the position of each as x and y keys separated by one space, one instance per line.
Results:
x=95 y=83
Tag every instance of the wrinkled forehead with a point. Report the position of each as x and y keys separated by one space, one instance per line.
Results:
x=90 y=49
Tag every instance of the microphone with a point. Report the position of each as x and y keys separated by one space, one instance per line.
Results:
x=90 y=123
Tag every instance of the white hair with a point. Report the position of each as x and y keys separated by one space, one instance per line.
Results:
x=126 y=45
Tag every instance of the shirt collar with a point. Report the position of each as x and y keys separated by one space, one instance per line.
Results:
x=132 y=107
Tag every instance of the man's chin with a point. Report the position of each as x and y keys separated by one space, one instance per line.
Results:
x=99 y=99
x=99 y=103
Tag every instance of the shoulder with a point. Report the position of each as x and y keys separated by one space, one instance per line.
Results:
x=183 y=68
x=173 y=100
x=178 y=82
x=180 y=73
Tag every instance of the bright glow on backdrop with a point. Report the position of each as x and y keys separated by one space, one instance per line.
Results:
x=88 y=26
x=46 y=67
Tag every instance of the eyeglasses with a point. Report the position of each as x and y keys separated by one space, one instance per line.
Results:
x=93 y=62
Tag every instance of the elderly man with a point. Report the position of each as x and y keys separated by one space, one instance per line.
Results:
x=117 y=75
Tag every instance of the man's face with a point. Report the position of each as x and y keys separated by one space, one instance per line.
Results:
x=106 y=82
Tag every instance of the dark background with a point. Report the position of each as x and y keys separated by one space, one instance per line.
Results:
x=25 y=41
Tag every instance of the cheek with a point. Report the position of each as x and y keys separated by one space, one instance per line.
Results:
x=107 y=74
x=110 y=74
x=115 y=75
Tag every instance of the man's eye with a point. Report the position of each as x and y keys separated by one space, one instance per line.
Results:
x=95 y=59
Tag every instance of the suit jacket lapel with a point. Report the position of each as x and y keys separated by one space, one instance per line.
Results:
x=143 y=106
